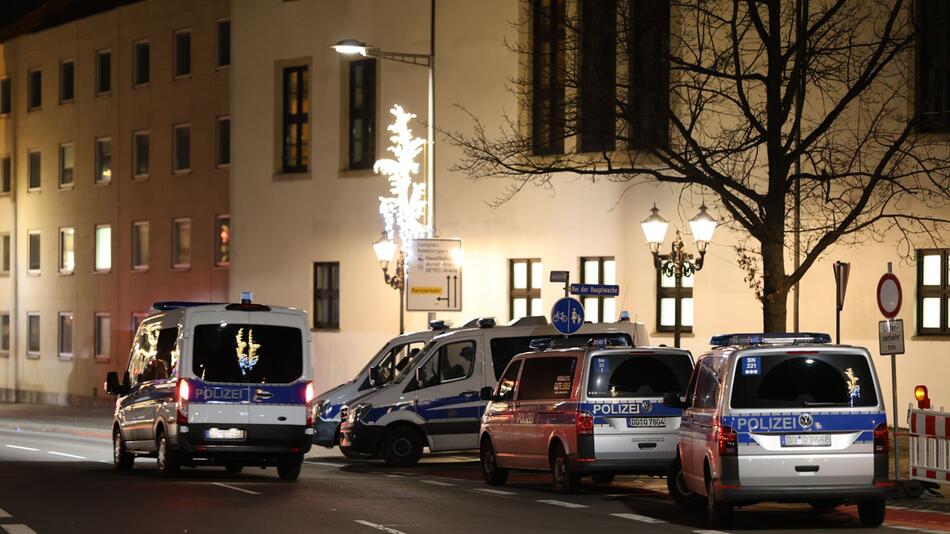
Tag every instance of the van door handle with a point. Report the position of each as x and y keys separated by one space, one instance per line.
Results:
x=262 y=394
x=806 y=468
x=469 y=393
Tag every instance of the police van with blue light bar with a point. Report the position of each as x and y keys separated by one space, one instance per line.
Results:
x=781 y=417
x=216 y=384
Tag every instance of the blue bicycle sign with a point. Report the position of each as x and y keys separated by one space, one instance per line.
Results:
x=567 y=315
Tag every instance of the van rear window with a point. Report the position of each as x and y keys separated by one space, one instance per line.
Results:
x=255 y=354
x=638 y=375
x=802 y=381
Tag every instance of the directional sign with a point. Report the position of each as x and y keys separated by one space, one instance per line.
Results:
x=889 y=295
x=434 y=275
x=891 y=336
x=567 y=315
x=597 y=290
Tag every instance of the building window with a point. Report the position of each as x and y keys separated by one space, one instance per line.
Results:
x=65 y=335
x=140 y=249
x=524 y=288
x=67 y=80
x=222 y=240
x=223 y=145
x=296 y=126
x=33 y=335
x=933 y=71
x=326 y=295
x=34 y=179
x=140 y=63
x=66 y=165
x=933 y=292
x=181 y=243
x=102 y=336
x=103 y=72
x=35 y=89
x=362 y=127
x=669 y=298
x=181 y=148
x=599 y=270
x=140 y=154
x=182 y=59
x=547 y=86
x=224 y=43
x=597 y=120
x=6 y=96
x=67 y=250
x=5 y=253
x=6 y=174
x=4 y=334
x=103 y=160
x=648 y=73
x=33 y=251
x=103 y=248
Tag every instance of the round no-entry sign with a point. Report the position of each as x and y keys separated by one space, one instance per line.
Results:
x=889 y=295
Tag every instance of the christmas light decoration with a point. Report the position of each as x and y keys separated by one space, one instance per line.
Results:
x=402 y=212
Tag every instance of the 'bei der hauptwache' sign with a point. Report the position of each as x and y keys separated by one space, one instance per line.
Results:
x=434 y=275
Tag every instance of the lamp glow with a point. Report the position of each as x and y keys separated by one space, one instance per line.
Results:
x=654 y=228
x=385 y=249
x=350 y=47
x=703 y=227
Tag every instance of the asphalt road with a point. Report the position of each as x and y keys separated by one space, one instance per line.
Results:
x=53 y=483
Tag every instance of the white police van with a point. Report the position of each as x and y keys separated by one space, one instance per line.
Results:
x=218 y=384
x=437 y=404
x=782 y=417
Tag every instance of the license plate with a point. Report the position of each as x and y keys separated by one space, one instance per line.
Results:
x=646 y=422
x=224 y=433
x=806 y=440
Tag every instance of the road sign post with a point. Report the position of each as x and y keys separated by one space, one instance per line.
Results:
x=567 y=315
x=891 y=340
x=842 y=270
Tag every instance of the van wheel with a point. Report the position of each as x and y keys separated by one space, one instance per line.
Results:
x=288 y=468
x=167 y=459
x=494 y=475
x=234 y=468
x=121 y=457
x=871 y=512
x=565 y=482
x=676 y=484
x=603 y=478
x=402 y=446
x=719 y=513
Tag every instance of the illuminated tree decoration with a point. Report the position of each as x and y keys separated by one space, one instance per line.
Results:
x=402 y=212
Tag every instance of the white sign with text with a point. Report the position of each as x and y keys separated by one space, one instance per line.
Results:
x=434 y=275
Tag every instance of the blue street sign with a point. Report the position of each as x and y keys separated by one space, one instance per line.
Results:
x=597 y=290
x=567 y=315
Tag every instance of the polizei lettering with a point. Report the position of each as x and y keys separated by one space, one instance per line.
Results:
x=767 y=423
x=220 y=394
x=616 y=409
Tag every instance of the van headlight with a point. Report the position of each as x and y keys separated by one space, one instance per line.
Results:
x=357 y=412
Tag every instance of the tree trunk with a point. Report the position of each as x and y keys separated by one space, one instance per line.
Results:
x=774 y=288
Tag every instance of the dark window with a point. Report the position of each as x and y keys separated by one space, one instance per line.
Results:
x=103 y=72
x=775 y=381
x=6 y=96
x=223 y=152
x=34 y=251
x=102 y=336
x=503 y=349
x=266 y=354
x=66 y=161
x=638 y=375
x=648 y=72
x=158 y=363
x=5 y=260
x=707 y=389
x=224 y=43
x=362 y=149
x=674 y=297
x=35 y=89
x=140 y=63
x=181 y=148
x=65 y=335
x=140 y=149
x=326 y=294
x=6 y=170
x=34 y=174
x=933 y=292
x=222 y=240
x=524 y=287
x=547 y=86
x=5 y=332
x=452 y=361
x=933 y=69
x=547 y=378
x=182 y=53
x=598 y=77
x=396 y=361
x=103 y=160
x=599 y=270
x=67 y=81
x=296 y=124
x=508 y=382
x=33 y=333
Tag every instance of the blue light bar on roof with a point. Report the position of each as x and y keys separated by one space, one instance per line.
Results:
x=790 y=338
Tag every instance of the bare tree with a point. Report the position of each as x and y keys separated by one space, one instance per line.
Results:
x=764 y=105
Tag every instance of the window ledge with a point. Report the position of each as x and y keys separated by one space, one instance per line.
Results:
x=101 y=359
x=222 y=267
x=102 y=183
x=222 y=165
x=33 y=355
x=178 y=77
x=67 y=273
x=326 y=330
x=68 y=187
x=140 y=178
x=102 y=271
x=357 y=173
x=35 y=273
x=65 y=357
x=104 y=93
x=140 y=270
x=181 y=268
x=291 y=176
x=182 y=172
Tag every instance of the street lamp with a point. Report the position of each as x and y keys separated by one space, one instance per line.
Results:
x=678 y=264
x=385 y=251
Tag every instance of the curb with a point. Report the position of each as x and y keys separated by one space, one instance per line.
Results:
x=84 y=432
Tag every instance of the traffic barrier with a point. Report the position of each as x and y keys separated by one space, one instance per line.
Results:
x=929 y=444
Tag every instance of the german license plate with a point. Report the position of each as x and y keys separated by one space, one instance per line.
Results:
x=806 y=440
x=224 y=433
x=646 y=422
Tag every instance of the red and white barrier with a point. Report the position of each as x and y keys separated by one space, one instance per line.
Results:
x=929 y=445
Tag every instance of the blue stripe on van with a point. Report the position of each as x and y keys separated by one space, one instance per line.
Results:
x=210 y=393
x=790 y=422
x=434 y=409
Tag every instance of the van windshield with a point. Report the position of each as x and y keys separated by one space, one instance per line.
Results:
x=251 y=353
x=638 y=375
x=802 y=381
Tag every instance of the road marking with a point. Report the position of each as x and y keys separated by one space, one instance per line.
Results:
x=54 y=453
x=235 y=488
x=378 y=527
x=638 y=517
x=892 y=507
x=494 y=491
x=105 y=462
x=4 y=514
x=18 y=529
x=710 y=532
x=563 y=503
x=436 y=482
x=31 y=449
x=325 y=464
x=395 y=476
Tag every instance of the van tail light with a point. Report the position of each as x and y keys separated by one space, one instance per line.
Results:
x=184 y=395
x=880 y=439
x=308 y=397
x=728 y=441
x=585 y=424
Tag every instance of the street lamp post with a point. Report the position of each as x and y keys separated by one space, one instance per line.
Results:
x=678 y=264
x=385 y=251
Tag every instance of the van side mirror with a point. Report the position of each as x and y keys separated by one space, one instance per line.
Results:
x=672 y=400
x=486 y=394
x=374 y=375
